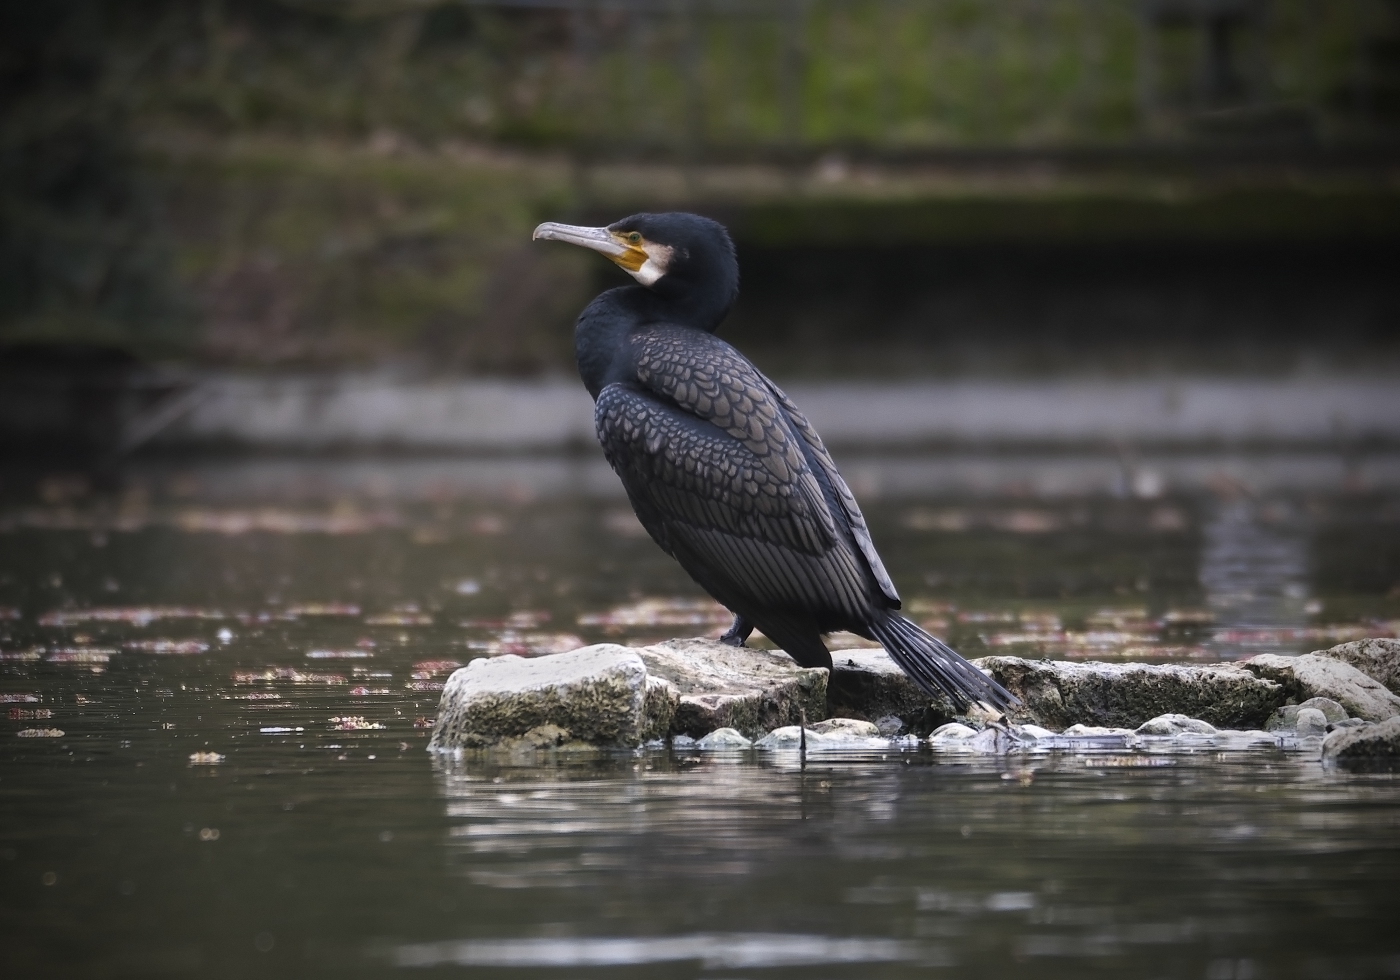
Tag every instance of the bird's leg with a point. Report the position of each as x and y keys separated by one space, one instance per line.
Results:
x=738 y=633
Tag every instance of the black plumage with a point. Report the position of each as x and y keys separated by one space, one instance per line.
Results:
x=723 y=470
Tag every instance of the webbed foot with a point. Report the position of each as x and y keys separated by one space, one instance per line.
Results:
x=738 y=633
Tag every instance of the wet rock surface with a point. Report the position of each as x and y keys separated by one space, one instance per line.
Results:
x=708 y=696
x=1316 y=676
x=868 y=684
x=719 y=686
x=1378 y=659
x=598 y=695
x=1058 y=694
x=1364 y=745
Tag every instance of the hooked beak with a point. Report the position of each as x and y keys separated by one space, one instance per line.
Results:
x=630 y=257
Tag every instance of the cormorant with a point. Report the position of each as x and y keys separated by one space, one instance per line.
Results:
x=724 y=472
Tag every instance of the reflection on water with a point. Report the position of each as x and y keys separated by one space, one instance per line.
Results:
x=218 y=682
x=1254 y=565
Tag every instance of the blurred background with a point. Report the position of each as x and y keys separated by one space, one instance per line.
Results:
x=262 y=252
x=941 y=187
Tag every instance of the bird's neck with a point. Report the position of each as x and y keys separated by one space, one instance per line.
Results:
x=601 y=331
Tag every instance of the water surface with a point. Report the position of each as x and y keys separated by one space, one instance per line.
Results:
x=218 y=680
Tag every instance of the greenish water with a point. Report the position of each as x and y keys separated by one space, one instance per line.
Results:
x=278 y=613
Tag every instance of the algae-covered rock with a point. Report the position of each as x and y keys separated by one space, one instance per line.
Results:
x=720 y=686
x=1314 y=676
x=1058 y=694
x=1378 y=659
x=1364 y=745
x=597 y=694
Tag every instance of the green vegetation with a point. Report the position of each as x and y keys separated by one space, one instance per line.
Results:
x=316 y=181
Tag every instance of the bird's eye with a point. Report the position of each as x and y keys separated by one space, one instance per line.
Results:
x=634 y=237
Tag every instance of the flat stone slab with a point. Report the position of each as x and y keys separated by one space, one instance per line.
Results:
x=1365 y=744
x=719 y=686
x=1378 y=659
x=1316 y=676
x=1058 y=694
x=597 y=695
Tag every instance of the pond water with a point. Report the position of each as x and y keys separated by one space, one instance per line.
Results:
x=218 y=677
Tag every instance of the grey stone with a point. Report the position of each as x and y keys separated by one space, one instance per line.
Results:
x=890 y=725
x=1285 y=719
x=951 y=732
x=1176 y=724
x=1087 y=731
x=1034 y=731
x=1312 y=676
x=1349 y=723
x=1368 y=744
x=1378 y=659
x=868 y=684
x=1310 y=721
x=719 y=686
x=1329 y=708
x=721 y=739
x=846 y=728
x=1058 y=694
x=787 y=737
x=597 y=695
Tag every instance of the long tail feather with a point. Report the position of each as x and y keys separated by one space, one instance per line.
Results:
x=937 y=667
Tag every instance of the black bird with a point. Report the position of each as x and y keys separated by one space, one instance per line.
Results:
x=724 y=472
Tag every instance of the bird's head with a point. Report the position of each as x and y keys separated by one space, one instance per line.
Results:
x=683 y=258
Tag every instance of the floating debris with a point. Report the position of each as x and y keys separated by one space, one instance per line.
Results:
x=135 y=615
x=466 y=586
x=40 y=733
x=356 y=723
x=525 y=619
x=526 y=644
x=273 y=521
x=20 y=698
x=339 y=655
x=1000 y=616
x=30 y=714
x=423 y=687
x=170 y=647
x=1310 y=634
x=301 y=609
x=428 y=668
x=1188 y=617
x=259 y=696
x=289 y=674
x=363 y=692
x=280 y=730
x=205 y=758
x=80 y=655
x=21 y=655
x=423 y=722
x=10 y=612
x=661 y=612
x=404 y=618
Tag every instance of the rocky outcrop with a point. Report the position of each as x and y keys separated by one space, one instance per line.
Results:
x=1058 y=694
x=1364 y=745
x=719 y=686
x=597 y=695
x=736 y=698
x=1378 y=659
x=1315 y=676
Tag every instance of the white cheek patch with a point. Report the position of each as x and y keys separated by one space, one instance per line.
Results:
x=658 y=260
